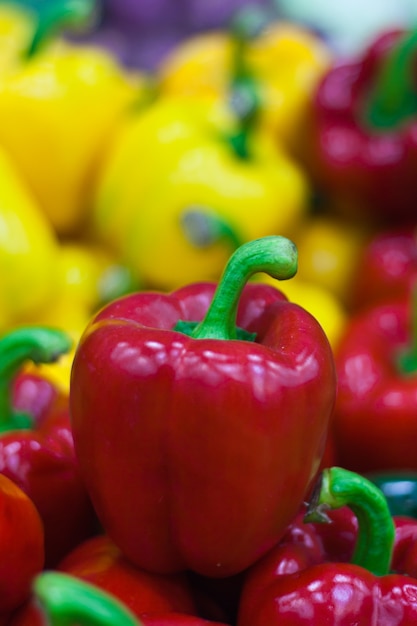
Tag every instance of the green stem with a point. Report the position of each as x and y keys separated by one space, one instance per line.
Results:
x=247 y=24
x=202 y=228
x=407 y=358
x=393 y=98
x=56 y=15
x=274 y=255
x=66 y=600
x=339 y=487
x=34 y=343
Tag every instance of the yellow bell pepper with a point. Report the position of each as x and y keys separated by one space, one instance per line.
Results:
x=16 y=28
x=317 y=300
x=286 y=60
x=175 y=195
x=28 y=249
x=87 y=276
x=329 y=249
x=59 y=109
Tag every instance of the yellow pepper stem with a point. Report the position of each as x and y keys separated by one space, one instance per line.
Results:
x=56 y=15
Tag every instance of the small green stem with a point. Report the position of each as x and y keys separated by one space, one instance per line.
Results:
x=66 y=600
x=339 y=487
x=274 y=255
x=33 y=343
x=407 y=358
x=202 y=227
x=247 y=24
x=393 y=98
x=56 y=15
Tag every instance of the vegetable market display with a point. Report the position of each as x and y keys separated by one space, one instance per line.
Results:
x=208 y=338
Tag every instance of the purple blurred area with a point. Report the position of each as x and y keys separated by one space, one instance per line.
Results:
x=141 y=32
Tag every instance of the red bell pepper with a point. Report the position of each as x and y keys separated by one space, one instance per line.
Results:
x=99 y=562
x=374 y=421
x=388 y=268
x=363 y=141
x=36 y=445
x=183 y=441
x=63 y=600
x=21 y=546
x=305 y=579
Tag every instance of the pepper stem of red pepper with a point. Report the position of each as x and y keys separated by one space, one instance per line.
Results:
x=244 y=94
x=66 y=600
x=407 y=358
x=36 y=344
x=274 y=255
x=58 y=15
x=339 y=487
x=393 y=98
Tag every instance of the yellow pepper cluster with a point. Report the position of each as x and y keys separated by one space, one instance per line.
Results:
x=113 y=180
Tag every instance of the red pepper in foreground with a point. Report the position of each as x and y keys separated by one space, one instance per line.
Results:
x=198 y=450
x=64 y=600
x=99 y=562
x=36 y=445
x=300 y=583
x=21 y=546
x=375 y=416
x=364 y=140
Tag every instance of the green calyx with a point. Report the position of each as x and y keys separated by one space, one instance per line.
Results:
x=339 y=487
x=34 y=343
x=245 y=102
x=392 y=100
x=274 y=255
x=203 y=227
x=53 y=16
x=66 y=600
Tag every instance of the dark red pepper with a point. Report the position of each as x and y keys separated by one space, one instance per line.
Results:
x=375 y=417
x=63 y=600
x=387 y=269
x=99 y=562
x=198 y=451
x=363 y=150
x=305 y=579
x=36 y=445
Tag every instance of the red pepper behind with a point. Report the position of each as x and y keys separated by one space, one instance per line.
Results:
x=36 y=444
x=362 y=150
x=306 y=580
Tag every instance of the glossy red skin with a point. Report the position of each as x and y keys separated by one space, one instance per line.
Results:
x=375 y=417
x=198 y=453
x=21 y=545
x=306 y=579
x=388 y=269
x=41 y=461
x=373 y=171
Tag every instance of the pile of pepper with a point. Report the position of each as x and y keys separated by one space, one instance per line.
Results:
x=208 y=346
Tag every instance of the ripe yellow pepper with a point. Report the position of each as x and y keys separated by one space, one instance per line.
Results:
x=328 y=310
x=59 y=109
x=16 y=28
x=28 y=249
x=87 y=277
x=329 y=248
x=175 y=195
x=286 y=60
